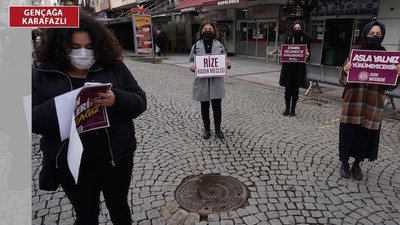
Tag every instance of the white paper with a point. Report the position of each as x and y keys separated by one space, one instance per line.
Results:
x=210 y=65
x=75 y=150
x=65 y=104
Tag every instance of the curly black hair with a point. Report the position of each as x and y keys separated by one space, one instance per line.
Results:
x=55 y=44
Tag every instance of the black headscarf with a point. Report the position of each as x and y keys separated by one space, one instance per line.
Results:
x=299 y=37
x=301 y=23
x=364 y=34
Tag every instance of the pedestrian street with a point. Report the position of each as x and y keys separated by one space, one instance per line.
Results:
x=289 y=165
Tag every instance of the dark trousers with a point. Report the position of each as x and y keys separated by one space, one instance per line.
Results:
x=358 y=142
x=291 y=95
x=95 y=176
x=205 y=113
x=292 y=91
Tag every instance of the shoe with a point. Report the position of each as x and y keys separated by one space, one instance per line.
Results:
x=356 y=171
x=286 y=112
x=206 y=134
x=219 y=134
x=345 y=170
x=292 y=113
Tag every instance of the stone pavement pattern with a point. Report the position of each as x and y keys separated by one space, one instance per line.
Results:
x=289 y=165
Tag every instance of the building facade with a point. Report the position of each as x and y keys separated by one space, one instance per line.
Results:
x=256 y=28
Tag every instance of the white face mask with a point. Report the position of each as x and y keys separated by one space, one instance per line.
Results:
x=82 y=58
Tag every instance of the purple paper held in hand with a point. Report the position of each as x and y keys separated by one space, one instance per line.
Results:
x=88 y=116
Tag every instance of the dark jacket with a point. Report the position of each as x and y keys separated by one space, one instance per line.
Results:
x=295 y=72
x=49 y=81
x=160 y=40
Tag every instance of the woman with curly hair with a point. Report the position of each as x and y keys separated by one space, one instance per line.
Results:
x=64 y=61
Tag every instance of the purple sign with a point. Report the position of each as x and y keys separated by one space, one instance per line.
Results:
x=293 y=53
x=375 y=67
x=88 y=116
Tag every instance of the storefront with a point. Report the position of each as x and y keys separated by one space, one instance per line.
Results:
x=223 y=20
x=336 y=29
x=257 y=30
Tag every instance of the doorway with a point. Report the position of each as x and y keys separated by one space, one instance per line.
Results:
x=254 y=38
x=337 y=41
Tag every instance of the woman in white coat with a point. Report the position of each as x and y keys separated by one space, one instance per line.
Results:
x=206 y=90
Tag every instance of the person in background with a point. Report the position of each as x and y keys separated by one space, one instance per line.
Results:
x=362 y=110
x=206 y=90
x=160 y=41
x=34 y=36
x=293 y=75
x=64 y=61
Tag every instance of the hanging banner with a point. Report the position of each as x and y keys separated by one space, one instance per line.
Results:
x=375 y=67
x=142 y=34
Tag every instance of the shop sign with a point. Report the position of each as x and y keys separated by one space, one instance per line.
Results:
x=140 y=10
x=228 y=2
x=375 y=67
x=217 y=15
x=142 y=34
x=266 y=11
x=188 y=9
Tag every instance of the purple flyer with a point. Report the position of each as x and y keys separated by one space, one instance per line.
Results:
x=293 y=53
x=374 y=67
x=87 y=116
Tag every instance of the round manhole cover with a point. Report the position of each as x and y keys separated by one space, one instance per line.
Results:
x=211 y=193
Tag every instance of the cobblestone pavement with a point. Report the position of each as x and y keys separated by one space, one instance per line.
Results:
x=289 y=164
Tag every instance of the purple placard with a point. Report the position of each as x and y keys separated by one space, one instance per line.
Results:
x=375 y=67
x=87 y=116
x=293 y=53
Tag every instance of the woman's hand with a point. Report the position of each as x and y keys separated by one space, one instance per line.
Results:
x=347 y=67
x=228 y=63
x=398 y=70
x=193 y=67
x=307 y=54
x=104 y=99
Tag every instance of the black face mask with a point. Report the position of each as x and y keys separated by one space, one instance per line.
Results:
x=208 y=35
x=373 y=42
x=297 y=32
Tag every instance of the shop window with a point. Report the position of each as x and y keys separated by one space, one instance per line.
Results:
x=317 y=30
x=337 y=41
x=359 y=26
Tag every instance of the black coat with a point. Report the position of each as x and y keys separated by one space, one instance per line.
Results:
x=160 y=41
x=49 y=81
x=294 y=73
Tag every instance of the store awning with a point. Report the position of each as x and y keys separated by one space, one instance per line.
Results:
x=189 y=5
